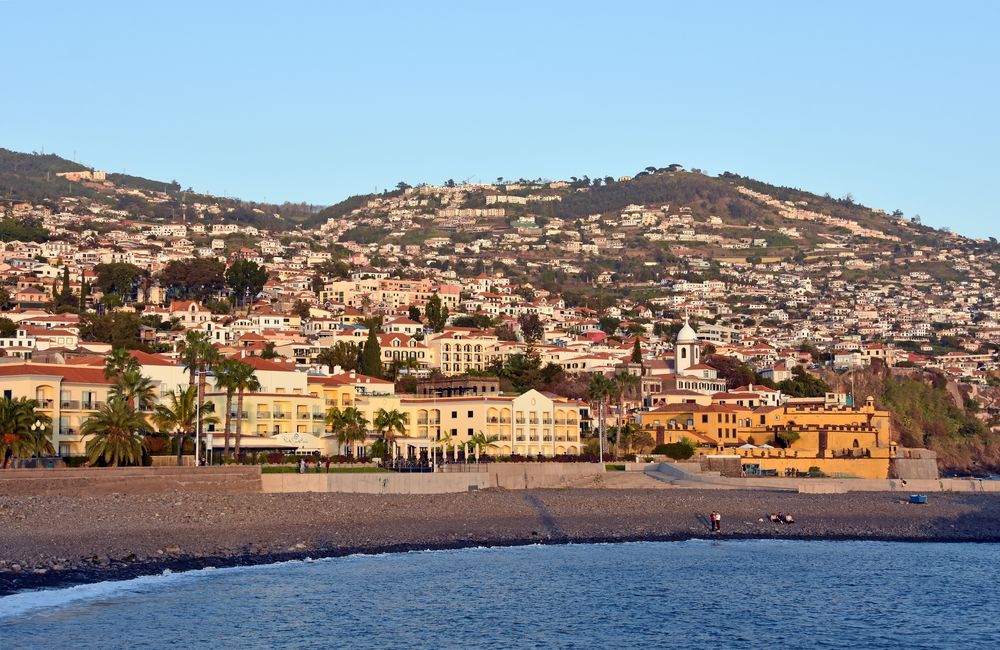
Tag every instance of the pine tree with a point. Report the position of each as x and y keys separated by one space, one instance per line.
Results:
x=636 y=351
x=437 y=315
x=371 y=356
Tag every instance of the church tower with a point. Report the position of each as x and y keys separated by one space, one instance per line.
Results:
x=687 y=349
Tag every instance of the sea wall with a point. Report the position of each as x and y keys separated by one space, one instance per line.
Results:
x=526 y=476
x=376 y=483
x=94 y=481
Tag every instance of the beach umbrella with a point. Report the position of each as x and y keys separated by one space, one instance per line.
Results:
x=748 y=446
x=766 y=446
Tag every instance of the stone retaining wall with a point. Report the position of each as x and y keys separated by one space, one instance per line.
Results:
x=525 y=476
x=376 y=482
x=94 y=481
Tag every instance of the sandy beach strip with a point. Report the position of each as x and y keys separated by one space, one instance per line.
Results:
x=53 y=541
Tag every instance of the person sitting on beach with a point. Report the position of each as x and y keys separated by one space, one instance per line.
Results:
x=789 y=520
x=775 y=518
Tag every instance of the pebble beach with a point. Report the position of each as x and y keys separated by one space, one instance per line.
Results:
x=48 y=541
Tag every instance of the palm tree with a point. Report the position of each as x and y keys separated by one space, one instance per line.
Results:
x=244 y=379
x=622 y=384
x=599 y=391
x=483 y=442
x=225 y=372
x=198 y=357
x=180 y=415
x=135 y=388
x=115 y=432
x=348 y=425
x=119 y=362
x=389 y=423
x=20 y=427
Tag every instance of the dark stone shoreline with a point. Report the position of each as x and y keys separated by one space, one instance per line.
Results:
x=62 y=541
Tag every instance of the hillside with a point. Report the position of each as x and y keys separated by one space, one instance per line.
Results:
x=34 y=178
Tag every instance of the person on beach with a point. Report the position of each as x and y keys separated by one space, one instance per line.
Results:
x=717 y=522
x=789 y=520
x=775 y=518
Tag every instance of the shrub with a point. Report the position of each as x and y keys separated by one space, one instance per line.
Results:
x=676 y=450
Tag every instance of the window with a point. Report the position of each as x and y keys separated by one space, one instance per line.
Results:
x=704 y=419
x=454 y=414
x=470 y=414
x=469 y=431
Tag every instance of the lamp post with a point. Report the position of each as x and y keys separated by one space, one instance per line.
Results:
x=36 y=426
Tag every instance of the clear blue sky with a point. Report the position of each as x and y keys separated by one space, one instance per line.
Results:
x=314 y=101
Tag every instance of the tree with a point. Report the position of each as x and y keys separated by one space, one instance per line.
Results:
x=115 y=432
x=609 y=324
x=8 y=328
x=119 y=328
x=246 y=279
x=270 y=351
x=621 y=384
x=531 y=327
x=118 y=362
x=245 y=380
x=180 y=415
x=341 y=354
x=636 y=352
x=21 y=424
x=803 y=384
x=195 y=278
x=436 y=312
x=119 y=278
x=482 y=442
x=389 y=423
x=371 y=356
x=301 y=309
x=413 y=312
x=225 y=372
x=135 y=388
x=348 y=425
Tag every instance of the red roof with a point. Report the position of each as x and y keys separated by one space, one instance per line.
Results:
x=71 y=374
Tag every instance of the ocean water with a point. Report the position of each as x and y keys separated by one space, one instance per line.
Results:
x=693 y=594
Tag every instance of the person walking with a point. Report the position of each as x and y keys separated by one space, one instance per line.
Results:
x=716 y=522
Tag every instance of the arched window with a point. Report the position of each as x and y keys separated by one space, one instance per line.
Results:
x=684 y=353
x=856 y=445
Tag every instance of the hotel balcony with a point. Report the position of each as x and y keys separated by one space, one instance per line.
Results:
x=263 y=415
x=45 y=403
x=69 y=404
x=279 y=415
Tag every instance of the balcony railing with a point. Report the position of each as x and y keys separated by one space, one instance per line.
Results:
x=92 y=405
x=504 y=420
x=69 y=404
x=281 y=416
x=560 y=420
x=263 y=415
x=45 y=403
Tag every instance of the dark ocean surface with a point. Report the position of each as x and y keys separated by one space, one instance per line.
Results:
x=693 y=594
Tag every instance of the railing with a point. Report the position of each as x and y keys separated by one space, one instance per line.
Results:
x=571 y=421
x=560 y=420
x=262 y=415
x=91 y=406
x=45 y=403
x=281 y=416
x=504 y=420
x=69 y=404
x=319 y=416
x=520 y=420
